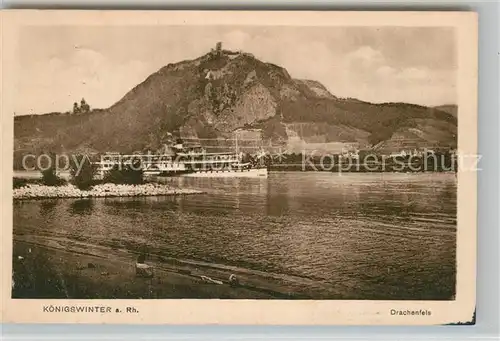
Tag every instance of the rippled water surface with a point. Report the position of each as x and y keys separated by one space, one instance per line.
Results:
x=356 y=236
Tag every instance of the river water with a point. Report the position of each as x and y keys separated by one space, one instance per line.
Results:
x=350 y=236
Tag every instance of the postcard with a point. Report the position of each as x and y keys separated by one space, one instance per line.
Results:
x=239 y=167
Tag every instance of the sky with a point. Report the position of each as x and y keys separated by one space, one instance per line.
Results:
x=59 y=65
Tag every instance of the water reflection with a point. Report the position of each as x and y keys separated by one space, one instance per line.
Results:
x=278 y=206
x=81 y=207
x=126 y=203
x=47 y=207
x=357 y=235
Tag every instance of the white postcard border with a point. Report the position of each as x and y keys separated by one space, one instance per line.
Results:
x=269 y=312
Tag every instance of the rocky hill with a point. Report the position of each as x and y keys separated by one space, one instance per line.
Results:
x=224 y=93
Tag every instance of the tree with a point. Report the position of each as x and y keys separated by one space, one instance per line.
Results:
x=82 y=172
x=19 y=182
x=76 y=109
x=126 y=174
x=49 y=175
x=84 y=107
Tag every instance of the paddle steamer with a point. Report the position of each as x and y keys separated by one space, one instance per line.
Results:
x=186 y=162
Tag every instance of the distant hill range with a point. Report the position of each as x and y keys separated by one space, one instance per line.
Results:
x=449 y=108
x=224 y=94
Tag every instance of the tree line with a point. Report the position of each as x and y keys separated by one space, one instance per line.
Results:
x=83 y=108
x=83 y=174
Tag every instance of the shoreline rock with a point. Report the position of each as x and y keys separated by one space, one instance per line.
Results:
x=35 y=191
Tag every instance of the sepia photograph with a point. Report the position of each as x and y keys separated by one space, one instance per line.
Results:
x=217 y=158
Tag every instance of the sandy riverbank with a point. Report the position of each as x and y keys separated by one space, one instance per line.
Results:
x=35 y=191
x=45 y=267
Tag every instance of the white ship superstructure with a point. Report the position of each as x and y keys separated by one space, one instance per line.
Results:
x=195 y=162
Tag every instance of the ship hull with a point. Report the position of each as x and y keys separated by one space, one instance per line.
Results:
x=245 y=173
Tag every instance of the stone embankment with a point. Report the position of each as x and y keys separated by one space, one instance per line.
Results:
x=33 y=191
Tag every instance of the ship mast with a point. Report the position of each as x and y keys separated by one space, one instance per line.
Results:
x=236 y=142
